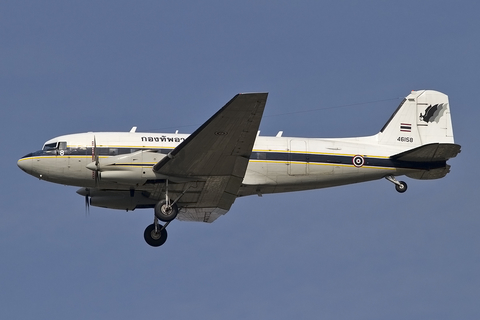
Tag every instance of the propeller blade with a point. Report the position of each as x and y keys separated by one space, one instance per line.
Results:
x=95 y=153
x=87 y=205
x=98 y=177
x=96 y=162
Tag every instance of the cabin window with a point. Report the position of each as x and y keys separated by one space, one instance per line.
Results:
x=112 y=151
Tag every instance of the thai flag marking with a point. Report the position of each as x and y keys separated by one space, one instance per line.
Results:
x=406 y=127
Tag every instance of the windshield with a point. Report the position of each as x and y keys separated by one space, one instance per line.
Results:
x=62 y=145
x=50 y=146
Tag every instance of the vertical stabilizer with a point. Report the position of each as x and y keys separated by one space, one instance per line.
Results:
x=423 y=117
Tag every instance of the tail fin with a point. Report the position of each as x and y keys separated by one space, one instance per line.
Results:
x=422 y=118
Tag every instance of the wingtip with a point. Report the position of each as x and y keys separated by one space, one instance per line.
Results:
x=253 y=93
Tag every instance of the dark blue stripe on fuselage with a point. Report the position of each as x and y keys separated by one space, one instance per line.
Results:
x=88 y=152
x=265 y=156
x=344 y=160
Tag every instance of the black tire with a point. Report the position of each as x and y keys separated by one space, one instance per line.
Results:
x=166 y=213
x=155 y=239
x=402 y=187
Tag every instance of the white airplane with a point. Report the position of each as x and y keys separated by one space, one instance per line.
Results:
x=197 y=177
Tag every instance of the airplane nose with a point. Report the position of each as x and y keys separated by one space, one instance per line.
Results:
x=25 y=164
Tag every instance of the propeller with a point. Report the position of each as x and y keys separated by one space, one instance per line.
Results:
x=87 y=193
x=87 y=204
x=95 y=153
x=95 y=164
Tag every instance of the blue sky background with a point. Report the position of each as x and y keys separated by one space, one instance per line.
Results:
x=355 y=252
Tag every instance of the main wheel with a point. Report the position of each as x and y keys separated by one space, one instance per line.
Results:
x=155 y=239
x=165 y=212
x=402 y=187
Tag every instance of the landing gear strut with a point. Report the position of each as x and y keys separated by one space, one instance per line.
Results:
x=166 y=211
x=400 y=186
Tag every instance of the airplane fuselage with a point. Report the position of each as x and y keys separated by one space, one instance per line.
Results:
x=277 y=164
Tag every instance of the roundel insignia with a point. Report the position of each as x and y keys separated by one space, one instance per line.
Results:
x=358 y=161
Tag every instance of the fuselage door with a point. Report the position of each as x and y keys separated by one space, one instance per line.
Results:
x=298 y=157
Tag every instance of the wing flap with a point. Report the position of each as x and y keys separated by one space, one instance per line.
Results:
x=200 y=214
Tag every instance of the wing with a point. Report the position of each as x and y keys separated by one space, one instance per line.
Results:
x=216 y=155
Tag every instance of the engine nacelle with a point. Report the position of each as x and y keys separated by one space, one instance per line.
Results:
x=127 y=169
x=121 y=200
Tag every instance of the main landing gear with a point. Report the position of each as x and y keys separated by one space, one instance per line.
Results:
x=400 y=186
x=166 y=211
x=156 y=234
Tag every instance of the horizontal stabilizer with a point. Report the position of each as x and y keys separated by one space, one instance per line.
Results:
x=432 y=152
x=430 y=174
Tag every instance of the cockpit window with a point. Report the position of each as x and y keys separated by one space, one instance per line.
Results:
x=50 y=146
x=62 y=145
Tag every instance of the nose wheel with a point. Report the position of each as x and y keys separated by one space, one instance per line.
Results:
x=400 y=186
